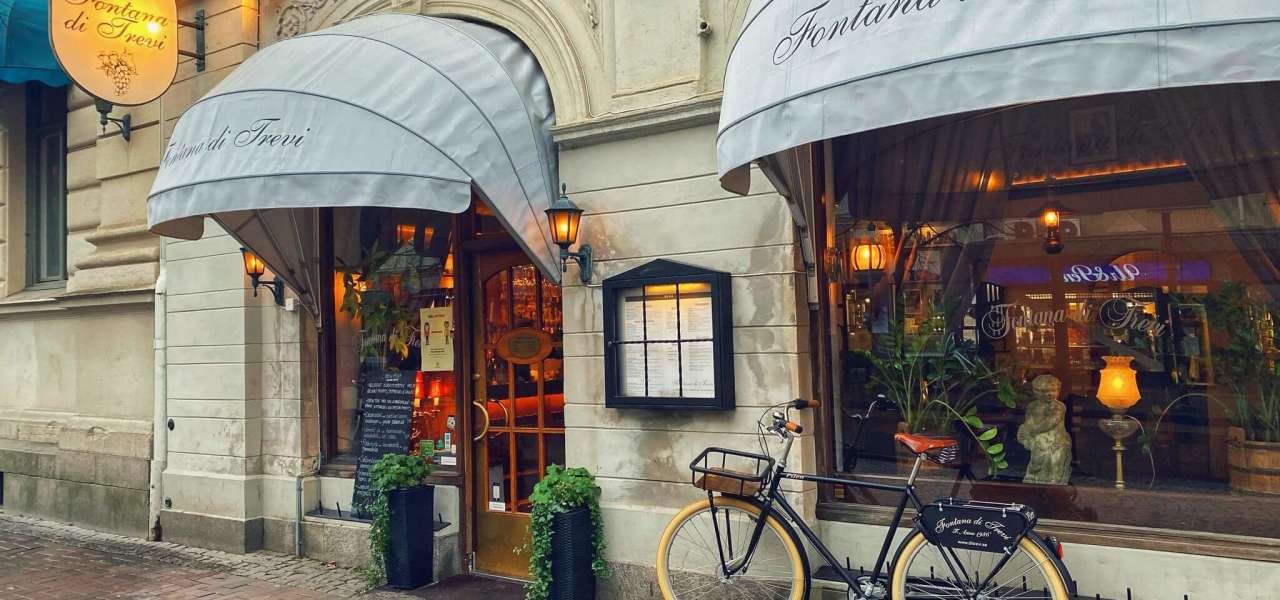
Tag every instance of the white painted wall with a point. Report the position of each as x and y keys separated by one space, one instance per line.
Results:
x=653 y=197
x=1104 y=570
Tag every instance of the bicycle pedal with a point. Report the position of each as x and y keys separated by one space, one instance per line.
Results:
x=871 y=590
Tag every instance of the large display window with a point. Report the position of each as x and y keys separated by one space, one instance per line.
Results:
x=393 y=312
x=1085 y=292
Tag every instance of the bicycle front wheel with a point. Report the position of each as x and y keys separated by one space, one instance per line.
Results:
x=701 y=545
x=925 y=571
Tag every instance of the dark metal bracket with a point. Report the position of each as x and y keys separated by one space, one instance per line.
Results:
x=198 y=24
x=125 y=123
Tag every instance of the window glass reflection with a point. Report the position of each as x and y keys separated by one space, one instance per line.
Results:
x=1012 y=256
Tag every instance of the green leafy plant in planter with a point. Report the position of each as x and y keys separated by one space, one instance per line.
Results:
x=385 y=322
x=560 y=491
x=935 y=384
x=1251 y=378
x=391 y=472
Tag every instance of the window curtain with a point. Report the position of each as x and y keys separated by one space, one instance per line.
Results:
x=1230 y=138
x=937 y=184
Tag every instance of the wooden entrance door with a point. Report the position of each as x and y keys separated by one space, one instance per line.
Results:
x=520 y=385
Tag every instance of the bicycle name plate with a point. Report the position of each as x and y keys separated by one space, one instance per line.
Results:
x=973 y=525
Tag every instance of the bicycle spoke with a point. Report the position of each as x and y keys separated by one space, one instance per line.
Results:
x=705 y=543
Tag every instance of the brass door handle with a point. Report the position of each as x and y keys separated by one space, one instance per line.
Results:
x=485 y=411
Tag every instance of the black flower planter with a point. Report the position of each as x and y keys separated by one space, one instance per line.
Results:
x=410 y=537
x=571 y=554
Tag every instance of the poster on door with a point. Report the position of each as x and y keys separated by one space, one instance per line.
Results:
x=437 y=338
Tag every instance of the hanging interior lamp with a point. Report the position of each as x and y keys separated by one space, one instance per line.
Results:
x=867 y=253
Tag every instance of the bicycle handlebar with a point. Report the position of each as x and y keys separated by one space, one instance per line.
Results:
x=800 y=403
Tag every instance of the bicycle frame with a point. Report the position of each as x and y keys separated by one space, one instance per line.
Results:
x=771 y=497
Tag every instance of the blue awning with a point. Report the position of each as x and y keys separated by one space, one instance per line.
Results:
x=25 y=54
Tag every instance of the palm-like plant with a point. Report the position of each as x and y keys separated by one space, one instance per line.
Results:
x=935 y=383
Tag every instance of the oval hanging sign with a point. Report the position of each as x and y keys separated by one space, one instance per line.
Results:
x=122 y=51
x=524 y=346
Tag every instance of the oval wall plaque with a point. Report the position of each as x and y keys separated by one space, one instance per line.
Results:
x=121 y=51
x=524 y=346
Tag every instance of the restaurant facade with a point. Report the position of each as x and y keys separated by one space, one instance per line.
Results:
x=1062 y=222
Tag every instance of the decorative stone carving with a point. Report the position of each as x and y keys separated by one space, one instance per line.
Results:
x=589 y=10
x=295 y=15
x=1044 y=434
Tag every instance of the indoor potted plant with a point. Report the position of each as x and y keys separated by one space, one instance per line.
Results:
x=935 y=385
x=401 y=532
x=566 y=536
x=1248 y=370
x=1244 y=365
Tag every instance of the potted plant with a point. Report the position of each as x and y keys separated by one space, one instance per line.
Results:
x=385 y=325
x=566 y=536
x=1245 y=367
x=401 y=533
x=935 y=385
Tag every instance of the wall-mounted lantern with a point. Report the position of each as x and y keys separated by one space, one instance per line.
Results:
x=254 y=268
x=564 y=217
x=1051 y=218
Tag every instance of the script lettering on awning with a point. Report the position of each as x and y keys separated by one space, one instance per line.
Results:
x=263 y=132
x=813 y=28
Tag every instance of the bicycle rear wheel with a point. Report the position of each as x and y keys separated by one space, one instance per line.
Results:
x=699 y=543
x=925 y=571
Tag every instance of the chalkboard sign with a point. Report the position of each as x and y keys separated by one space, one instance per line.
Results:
x=385 y=419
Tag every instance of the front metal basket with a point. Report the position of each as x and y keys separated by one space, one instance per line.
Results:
x=731 y=472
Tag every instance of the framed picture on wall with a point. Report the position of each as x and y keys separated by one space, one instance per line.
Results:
x=1093 y=135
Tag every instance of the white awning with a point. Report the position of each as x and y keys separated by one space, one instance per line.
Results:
x=393 y=110
x=810 y=70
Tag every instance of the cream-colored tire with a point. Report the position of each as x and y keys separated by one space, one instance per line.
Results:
x=911 y=573
x=688 y=566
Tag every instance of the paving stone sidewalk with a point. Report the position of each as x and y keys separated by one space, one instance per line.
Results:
x=45 y=560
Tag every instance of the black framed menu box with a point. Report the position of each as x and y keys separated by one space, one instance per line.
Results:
x=668 y=336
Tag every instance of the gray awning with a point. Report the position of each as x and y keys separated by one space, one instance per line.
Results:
x=810 y=70
x=394 y=110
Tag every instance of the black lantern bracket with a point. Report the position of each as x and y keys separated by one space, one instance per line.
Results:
x=199 y=25
x=275 y=285
x=582 y=257
x=124 y=123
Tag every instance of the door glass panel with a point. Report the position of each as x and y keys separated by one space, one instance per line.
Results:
x=497 y=308
x=524 y=284
x=499 y=457
x=553 y=389
x=552 y=315
x=553 y=446
x=528 y=469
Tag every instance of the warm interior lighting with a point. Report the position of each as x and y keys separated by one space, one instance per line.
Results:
x=405 y=234
x=1118 y=384
x=153 y=27
x=1102 y=171
x=419 y=390
x=446 y=276
x=867 y=256
x=1051 y=217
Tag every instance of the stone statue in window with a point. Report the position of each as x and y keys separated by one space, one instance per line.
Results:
x=1044 y=434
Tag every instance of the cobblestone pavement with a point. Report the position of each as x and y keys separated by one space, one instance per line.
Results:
x=44 y=560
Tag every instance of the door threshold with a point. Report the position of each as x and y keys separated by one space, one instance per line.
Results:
x=496 y=577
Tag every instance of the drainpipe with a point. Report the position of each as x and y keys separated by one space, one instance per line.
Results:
x=315 y=470
x=159 y=431
x=297 y=520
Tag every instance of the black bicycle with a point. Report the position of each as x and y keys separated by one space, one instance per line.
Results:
x=741 y=542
